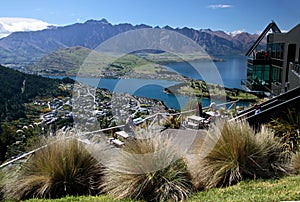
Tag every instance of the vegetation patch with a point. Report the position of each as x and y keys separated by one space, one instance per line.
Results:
x=233 y=152
x=287 y=128
x=200 y=89
x=62 y=168
x=150 y=170
x=295 y=163
x=285 y=189
x=17 y=90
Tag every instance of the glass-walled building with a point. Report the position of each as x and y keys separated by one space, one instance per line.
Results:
x=276 y=69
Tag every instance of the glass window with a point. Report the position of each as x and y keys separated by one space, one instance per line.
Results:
x=281 y=50
x=273 y=51
x=261 y=74
x=276 y=74
x=277 y=50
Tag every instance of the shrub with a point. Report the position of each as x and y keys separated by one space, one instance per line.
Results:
x=232 y=151
x=172 y=122
x=287 y=129
x=295 y=163
x=62 y=168
x=149 y=169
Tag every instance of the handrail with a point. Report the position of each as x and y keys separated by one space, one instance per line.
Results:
x=285 y=96
x=105 y=129
x=251 y=110
x=22 y=156
x=264 y=116
x=296 y=68
x=26 y=154
x=264 y=112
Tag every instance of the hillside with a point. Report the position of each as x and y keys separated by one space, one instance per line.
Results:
x=17 y=89
x=24 y=48
x=62 y=61
x=82 y=61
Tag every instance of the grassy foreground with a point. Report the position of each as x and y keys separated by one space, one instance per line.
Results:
x=285 y=189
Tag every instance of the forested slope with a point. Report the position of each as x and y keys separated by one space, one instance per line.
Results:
x=16 y=89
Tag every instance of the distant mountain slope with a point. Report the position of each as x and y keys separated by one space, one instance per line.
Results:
x=17 y=88
x=24 y=48
x=29 y=47
x=75 y=61
x=61 y=61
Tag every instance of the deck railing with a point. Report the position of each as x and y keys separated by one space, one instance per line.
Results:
x=152 y=118
x=296 y=68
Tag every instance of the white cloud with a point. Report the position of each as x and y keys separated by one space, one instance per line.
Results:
x=217 y=6
x=9 y=25
x=234 y=33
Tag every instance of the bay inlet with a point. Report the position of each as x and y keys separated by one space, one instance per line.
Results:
x=231 y=71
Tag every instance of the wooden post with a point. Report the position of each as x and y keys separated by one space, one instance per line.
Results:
x=158 y=119
x=234 y=105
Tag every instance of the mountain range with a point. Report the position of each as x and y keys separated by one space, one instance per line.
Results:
x=23 y=49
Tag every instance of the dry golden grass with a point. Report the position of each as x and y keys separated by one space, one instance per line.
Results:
x=295 y=163
x=232 y=152
x=149 y=169
x=62 y=168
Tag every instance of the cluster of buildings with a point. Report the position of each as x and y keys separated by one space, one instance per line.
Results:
x=58 y=109
x=91 y=109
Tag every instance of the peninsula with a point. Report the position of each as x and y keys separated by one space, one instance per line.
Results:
x=199 y=88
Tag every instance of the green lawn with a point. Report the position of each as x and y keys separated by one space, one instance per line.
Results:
x=285 y=189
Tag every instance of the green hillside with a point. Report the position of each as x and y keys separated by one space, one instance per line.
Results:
x=16 y=89
x=85 y=62
x=63 y=61
x=80 y=60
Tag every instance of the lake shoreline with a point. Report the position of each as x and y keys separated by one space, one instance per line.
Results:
x=164 y=74
x=232 y=70
x=199 y=88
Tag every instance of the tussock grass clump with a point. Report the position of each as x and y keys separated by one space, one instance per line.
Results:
x=287 y=128
x=62 y=168
x=149 y=169
x=1 y=184
x=295 y=163
x=233 y=151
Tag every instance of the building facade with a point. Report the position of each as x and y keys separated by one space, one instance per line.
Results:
x=276 y=69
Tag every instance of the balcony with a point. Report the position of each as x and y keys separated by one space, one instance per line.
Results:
x=253 y=86
x=259 y=58
x=277 y=62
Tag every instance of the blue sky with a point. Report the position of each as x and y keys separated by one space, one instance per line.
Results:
x=228 y=15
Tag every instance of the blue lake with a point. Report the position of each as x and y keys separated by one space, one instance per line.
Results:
x=228 y=73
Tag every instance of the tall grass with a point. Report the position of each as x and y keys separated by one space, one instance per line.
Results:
x=149 y=169
x=1 y=185
x=287 y=128
x=233 y=151
x=295 y=163
x=62 y=168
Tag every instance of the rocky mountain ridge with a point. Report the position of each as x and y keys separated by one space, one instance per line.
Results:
x=25 y=48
